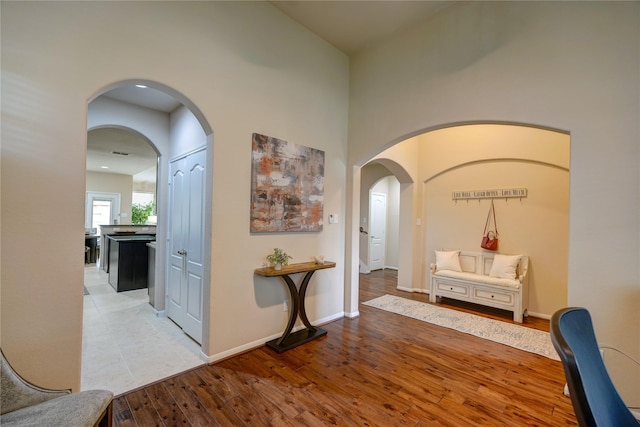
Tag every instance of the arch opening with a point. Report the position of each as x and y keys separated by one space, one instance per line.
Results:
x=452 y=157
x=172 y=126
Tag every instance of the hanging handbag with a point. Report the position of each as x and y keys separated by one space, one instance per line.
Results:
x=490 y=237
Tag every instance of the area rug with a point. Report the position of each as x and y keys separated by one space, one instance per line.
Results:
x=520 y=337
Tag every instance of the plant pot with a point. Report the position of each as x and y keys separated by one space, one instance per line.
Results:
x=278 y=266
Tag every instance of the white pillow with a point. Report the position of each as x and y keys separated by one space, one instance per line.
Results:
x=448 y=260
x=504 y=266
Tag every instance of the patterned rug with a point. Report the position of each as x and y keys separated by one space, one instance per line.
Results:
x=519 y=337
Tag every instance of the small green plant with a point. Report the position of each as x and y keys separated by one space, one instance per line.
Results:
x=140 y=213
x=279 y=257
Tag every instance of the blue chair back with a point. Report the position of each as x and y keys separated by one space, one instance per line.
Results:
x=593 y=395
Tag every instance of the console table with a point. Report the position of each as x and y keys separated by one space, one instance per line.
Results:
x=290 y=340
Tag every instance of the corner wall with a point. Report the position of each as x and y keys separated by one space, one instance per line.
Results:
x=247 y=67
x=553 y=64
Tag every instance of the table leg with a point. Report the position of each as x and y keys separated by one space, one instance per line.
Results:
x=295 y=308
x=303 y=291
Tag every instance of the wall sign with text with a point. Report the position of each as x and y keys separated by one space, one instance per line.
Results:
x=505 y=193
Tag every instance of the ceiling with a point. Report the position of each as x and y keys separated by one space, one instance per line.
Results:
x=120 y=151
x=350 y=26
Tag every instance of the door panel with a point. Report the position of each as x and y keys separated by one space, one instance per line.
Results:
x=378 y=213
x=195 y=246
x=188 y=181
x=194 y=297
x=176 y=241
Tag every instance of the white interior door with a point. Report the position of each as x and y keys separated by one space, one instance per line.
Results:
x=377 y=230
x=186 y=243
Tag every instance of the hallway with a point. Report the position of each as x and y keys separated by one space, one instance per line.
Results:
x=124 y=344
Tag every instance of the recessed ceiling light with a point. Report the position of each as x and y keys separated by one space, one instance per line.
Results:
x=141 y=86
x=104 y=167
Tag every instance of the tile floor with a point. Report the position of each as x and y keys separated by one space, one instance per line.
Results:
x=125 y=345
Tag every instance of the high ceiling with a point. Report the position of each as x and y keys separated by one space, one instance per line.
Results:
x=350 y=26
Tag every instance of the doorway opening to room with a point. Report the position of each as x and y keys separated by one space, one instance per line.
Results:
x=101 y=208
x=128 y=339
x=468 y=158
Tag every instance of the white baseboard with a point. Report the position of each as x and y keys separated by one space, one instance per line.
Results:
x=539 y=315
x=364 y=268
x=260 y=342
x=416 y=290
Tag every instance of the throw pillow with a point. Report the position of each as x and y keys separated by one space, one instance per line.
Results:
x=504 y=266
x=448 y=260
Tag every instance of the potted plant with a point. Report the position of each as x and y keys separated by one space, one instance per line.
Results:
x=278 y=258
x=140 y=213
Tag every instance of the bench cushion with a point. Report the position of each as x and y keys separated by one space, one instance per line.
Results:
x=448 y=260
x=478 y=278
x=505 y=266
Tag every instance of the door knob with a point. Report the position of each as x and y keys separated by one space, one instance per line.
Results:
x=182 y=252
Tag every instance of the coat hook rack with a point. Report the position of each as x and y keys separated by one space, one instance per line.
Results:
x=507 y=193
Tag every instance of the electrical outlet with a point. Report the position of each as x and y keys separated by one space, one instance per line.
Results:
x=285 y=305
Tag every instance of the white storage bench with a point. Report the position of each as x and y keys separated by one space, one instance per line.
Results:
x=471 y=276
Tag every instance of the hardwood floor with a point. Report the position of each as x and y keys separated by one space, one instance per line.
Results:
x=380 y=369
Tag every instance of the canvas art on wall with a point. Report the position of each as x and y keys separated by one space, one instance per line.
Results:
x=287 y=186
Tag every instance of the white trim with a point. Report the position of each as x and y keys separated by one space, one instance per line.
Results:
x=414 y=290
x=260 y=342
x=539 y=315
x=364 y=268
x=101 y=195
x=188 y=153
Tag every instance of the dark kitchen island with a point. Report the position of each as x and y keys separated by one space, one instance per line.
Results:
x=129 y=261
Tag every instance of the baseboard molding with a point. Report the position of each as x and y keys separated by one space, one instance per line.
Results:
x=387 y=267
x=539 y=315
x=415 y=290
x=364 y=268
x=260 y=342
x=160 y=313
x=351 y=315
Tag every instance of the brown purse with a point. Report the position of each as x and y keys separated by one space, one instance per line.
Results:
x=490 y=237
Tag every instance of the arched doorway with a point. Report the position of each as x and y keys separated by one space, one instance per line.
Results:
x=174 y=126
x=465 y=156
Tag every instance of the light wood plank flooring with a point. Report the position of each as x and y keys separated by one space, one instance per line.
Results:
x=380 y=369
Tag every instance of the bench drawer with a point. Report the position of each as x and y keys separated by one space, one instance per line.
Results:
x=453 y=288
x=500 y=297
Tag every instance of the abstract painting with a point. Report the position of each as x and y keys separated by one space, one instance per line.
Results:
x=287 y=186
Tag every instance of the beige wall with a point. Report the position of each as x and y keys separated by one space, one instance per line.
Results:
x=247 y=67
x=113 y=183
x=537 y=226
x=474 y=157
x=477 y=157
x=552 y=64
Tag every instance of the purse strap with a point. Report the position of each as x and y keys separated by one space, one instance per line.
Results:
x=486 y=225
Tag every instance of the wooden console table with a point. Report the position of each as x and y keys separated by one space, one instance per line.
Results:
x=288 y=340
